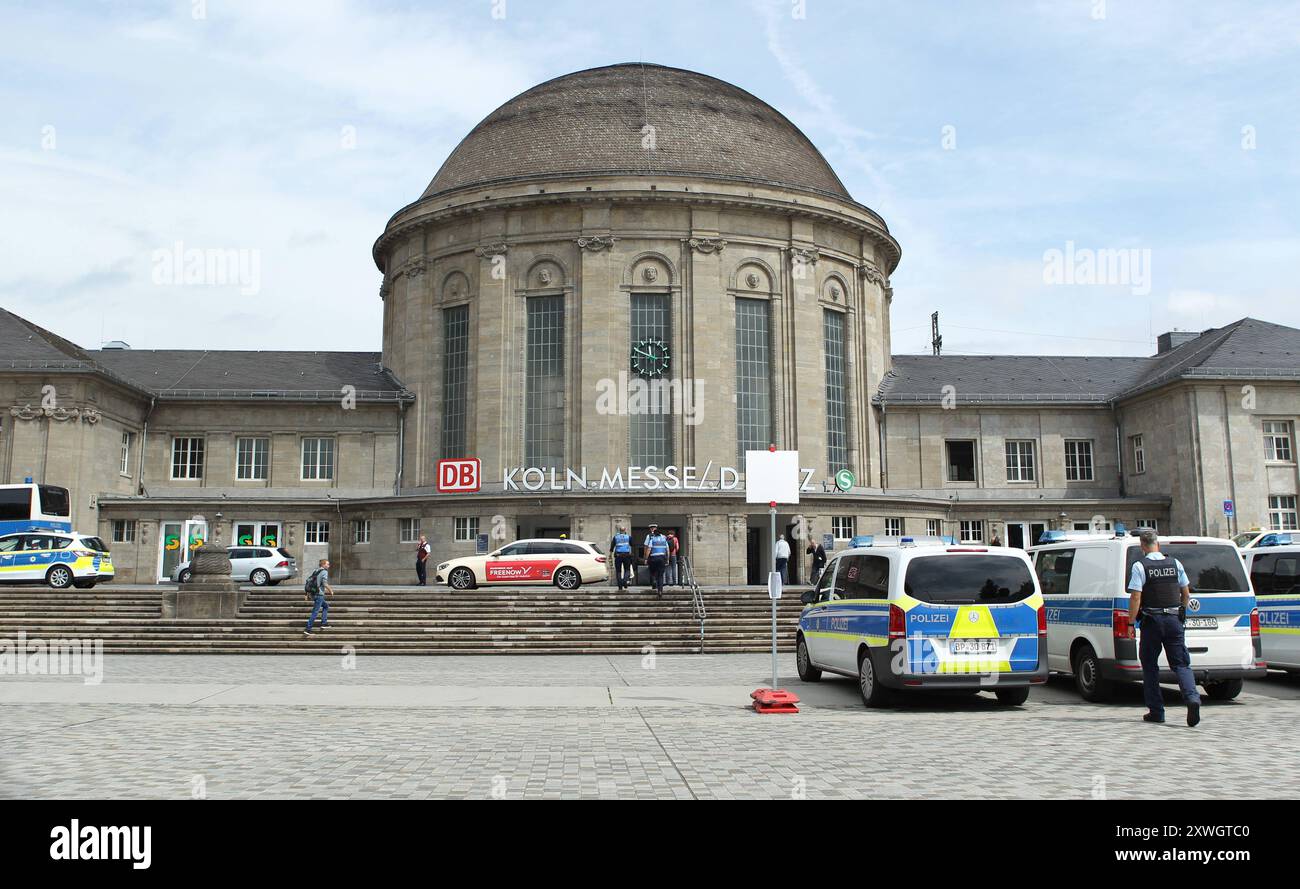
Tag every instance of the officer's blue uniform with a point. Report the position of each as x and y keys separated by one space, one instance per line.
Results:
x=621 y=544
x=1160 y=626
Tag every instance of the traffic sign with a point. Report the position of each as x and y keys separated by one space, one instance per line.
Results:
x=845 y=480
x=1227 y=508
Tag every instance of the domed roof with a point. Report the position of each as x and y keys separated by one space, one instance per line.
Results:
x=591 y=122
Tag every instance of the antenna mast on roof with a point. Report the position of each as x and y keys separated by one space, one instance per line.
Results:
x=936 y=341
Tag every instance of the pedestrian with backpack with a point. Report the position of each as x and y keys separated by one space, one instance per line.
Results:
x=317 y=588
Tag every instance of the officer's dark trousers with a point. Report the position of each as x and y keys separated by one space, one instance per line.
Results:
x=625 y=573
x=1164 y=631
x=657 y=566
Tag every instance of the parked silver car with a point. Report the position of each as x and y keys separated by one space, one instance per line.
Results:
x=259 y=565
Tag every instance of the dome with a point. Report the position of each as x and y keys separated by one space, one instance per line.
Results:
x=590 y=123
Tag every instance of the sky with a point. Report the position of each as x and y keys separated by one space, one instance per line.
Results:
x=1006 y=144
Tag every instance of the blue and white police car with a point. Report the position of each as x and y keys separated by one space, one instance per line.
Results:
x=1275 y=575
x=921 y=614
x=1084 y=577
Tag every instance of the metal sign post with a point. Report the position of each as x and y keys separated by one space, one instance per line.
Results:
x=773 y=477
x=773 y=589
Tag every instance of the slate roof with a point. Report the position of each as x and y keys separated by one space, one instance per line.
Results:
x=199 y=374
x=195 y=373
x=1245 y=349
x=590 y=123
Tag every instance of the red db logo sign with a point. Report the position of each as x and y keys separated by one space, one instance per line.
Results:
x=460 y=476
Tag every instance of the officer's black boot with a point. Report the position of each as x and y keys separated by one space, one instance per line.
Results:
x=1193 y=713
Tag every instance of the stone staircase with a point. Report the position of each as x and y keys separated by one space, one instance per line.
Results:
x=409 y=620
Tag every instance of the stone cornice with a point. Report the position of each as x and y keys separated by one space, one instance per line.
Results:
x=855 y=217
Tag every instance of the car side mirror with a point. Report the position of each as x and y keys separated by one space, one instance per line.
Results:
x=807 y=596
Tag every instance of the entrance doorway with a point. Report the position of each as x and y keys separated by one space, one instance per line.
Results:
x=1024 y=534
x=755 y=567
x=177 y=544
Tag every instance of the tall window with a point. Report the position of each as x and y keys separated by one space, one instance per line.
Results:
x=455 y=381
x=465 y=528
x=651 y=429
x=1282 y=512
x=1139 y=455
x=544 y=383
x=753 y=376
x=837 y=426
x=1020 y=461
x=361 y=531
x=1078 y=461
x=408 y=530
x=843 y=527
x=1277 y=441
x=187 y=458
x=934 y=527
x=317 y=458
x=893 y=527
x=961 y=461
x=128 y=439
x=250 y=458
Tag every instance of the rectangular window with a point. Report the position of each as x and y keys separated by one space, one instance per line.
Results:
x=1277 y=441
x=317 y=532
x=844 y=527
x=466 y=528
x=1020 y=461
x=972 y=531
x=1078 y=461
x=1139 y=455
x=128 y=439
x=837 y=424
x=934 y=527
x=753 y=376
x=455 y=382
x=650 y=426
x=317 y=459
x=187 y=458
x=893 y=527
x=250 y=458
x=123 y=530
x=361 y=530
x=1282 y=512
x=544 y=383
x=1054 y=567
x=961 y=461
x=408 y=530
x=1153 y=524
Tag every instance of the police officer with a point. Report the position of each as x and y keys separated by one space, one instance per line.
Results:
x=656 y=555
x=1158 y=595
x=621 y=546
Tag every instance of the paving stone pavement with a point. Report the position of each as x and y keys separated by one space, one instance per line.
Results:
x=367 y=742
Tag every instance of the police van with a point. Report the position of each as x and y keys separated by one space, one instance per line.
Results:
x=920 y=614
x=1084 y=577
x=1274 y=575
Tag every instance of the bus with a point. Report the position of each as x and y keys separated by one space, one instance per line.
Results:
x=31 y=507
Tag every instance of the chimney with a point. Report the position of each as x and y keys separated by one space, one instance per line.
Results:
x=1167 y=342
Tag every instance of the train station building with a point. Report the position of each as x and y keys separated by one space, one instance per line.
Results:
x=619 y=282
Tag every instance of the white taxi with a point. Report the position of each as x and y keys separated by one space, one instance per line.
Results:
x=61 y=559
x=567 y=564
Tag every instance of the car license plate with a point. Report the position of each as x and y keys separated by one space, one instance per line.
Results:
x=1202 y=623
x=974 y=646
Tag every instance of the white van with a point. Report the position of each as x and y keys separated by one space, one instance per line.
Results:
x=1273 y=573
x=1085 y=587
x=904 y=614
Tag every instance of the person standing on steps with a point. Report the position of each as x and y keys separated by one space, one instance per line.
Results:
x=656 y=556
x=782 y=555
x=621 y=546
x=317 y=588
x=674 y=564
x=422 y=551
x=818 y=553
x=1159 y=593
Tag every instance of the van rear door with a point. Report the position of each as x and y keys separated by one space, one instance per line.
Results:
x=1218 y=617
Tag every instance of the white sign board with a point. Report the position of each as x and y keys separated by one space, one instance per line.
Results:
x=774 y=584
x=771 y=476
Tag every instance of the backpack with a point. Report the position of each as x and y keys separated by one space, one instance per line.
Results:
x=312 y=586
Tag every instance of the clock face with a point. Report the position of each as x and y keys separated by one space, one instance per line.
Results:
x=650 y=358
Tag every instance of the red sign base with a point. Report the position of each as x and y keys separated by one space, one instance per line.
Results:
x=774 y=700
